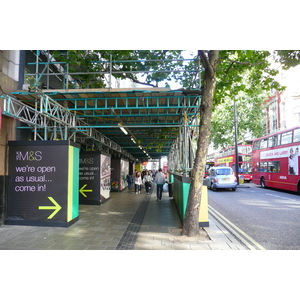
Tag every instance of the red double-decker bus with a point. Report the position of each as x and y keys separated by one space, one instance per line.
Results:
x=275 y=160
x=227 y=158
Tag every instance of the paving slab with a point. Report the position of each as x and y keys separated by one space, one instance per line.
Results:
x=127 y=221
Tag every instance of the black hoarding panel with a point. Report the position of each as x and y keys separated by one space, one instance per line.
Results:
x=89 y=178
x=41 y=183
x=94 y=177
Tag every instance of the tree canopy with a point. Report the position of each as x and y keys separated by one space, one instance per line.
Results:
x=250 y=118
x=250 y=96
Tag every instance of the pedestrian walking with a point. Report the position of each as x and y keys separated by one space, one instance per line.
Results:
x=129 y=179
x=160 y=181
x=137 y=182
x=147 y=182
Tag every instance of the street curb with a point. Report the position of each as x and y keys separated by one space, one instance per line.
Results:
x=226 y=232
x=240 y=236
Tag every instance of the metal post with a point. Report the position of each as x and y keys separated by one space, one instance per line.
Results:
x=54 y=131
x=110 y=70
x=199 y=65
x=66 y=133
x=45 y=130
x=185 y=145
x=181 y=149
x=37 y=68
x=236 y=145
x=35 y=127
x=67 y=79
x=48 y=70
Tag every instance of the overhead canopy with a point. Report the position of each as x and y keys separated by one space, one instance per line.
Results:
x=151 y=117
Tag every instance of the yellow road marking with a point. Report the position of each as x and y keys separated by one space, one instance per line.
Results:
x=242 y=233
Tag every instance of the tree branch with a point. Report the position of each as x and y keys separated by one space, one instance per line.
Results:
x=229 y=67
x=209 y=61
x=129 y=76
x=245 y=62
x=204 y=58
x=241 y=63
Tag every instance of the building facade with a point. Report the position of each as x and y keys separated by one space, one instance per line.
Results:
x=9 y=82
x=283 y=108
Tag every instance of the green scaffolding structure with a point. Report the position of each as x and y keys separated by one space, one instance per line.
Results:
x=139 y=124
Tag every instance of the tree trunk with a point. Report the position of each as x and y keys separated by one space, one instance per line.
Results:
x=190 y=223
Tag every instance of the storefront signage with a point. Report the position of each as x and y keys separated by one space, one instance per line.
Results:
x=89 y=178
x=43 y=183
x=225 y=160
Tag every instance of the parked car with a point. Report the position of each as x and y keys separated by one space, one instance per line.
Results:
x=221 y=177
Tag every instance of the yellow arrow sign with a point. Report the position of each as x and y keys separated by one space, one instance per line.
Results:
x=82 y=191
x=56 y=207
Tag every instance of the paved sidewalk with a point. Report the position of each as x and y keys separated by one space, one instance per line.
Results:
x=126 y=221
x=161 y=230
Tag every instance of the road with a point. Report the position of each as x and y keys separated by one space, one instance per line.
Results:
x=262 y=218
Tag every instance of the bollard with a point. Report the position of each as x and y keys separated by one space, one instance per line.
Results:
x=203 y=213
x=241 y=179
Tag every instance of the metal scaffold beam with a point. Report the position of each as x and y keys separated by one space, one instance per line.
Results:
x=50 y=120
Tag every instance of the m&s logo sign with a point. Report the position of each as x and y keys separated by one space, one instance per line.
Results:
x=29 y=155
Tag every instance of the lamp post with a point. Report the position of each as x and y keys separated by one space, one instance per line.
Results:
x=236 y=145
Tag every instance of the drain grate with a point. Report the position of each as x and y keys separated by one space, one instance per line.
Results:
x=130 y=235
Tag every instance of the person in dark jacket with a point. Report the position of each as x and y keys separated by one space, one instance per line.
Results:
x=129 y=179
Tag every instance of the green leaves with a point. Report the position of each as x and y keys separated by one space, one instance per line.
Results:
x=125 y=62
x=288 y=58
x=159 y=136
x=250 y=118
x=246 y=77
x=240 y=71
x=230 y=72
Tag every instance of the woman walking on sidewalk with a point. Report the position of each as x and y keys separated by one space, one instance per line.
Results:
x=147 y=181
x=160 y=181
x=137 y=182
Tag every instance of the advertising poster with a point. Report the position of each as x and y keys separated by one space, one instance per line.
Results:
x=89 y=178
x=123 y=173
x=291 y=153
x=105 y=172
x=43 y=183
